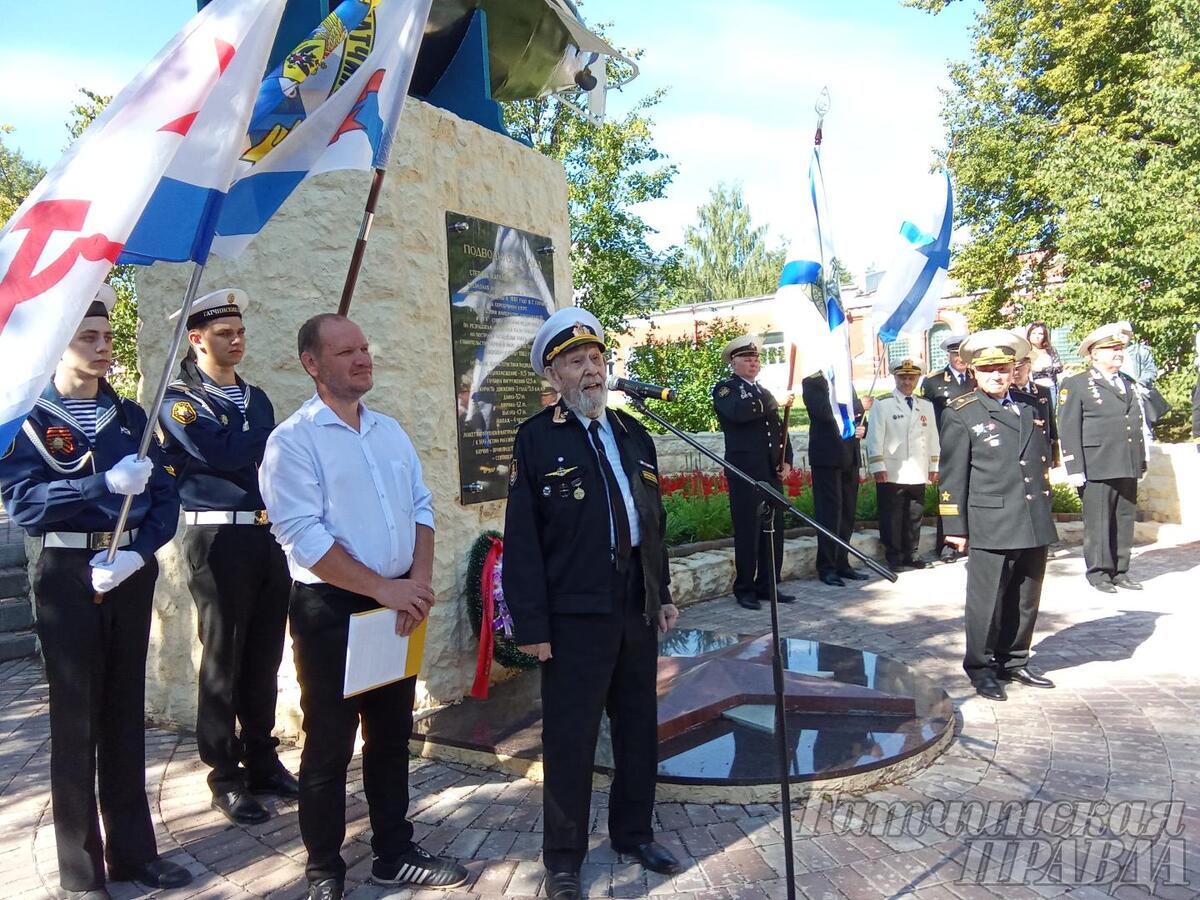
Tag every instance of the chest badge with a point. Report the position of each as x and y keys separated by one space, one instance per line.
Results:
x=560 y=472
x=579 y=493
x=224 y=419
x=60 y=441
x=183 y=412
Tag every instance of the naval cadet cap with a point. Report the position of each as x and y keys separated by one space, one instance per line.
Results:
x=102 y=304
x=739 y=346
x=216 y=305
x=994 y=346
x=567 y=328
x=1114 y=334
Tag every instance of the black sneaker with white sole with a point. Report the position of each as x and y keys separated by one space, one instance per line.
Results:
x=418 y=867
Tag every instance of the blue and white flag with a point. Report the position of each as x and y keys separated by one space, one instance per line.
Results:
x=333 y=104
x=907 y=299
x=810 y=302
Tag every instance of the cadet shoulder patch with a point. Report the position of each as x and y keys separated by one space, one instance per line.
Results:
x=723 y=391
x=183 y=412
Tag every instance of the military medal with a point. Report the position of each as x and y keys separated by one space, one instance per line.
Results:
x=579 y=493
x=59 y=440
x=245 y=425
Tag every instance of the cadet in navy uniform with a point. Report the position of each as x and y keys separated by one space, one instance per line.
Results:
x=585 y=575
x=64 y=478
x=994 y=496
x=754 y=441
x=1025 y=389
x=835 y=462
x=1100 y=421
x=952 y=382
x=216 y=428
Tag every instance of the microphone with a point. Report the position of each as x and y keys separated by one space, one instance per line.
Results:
x=640 y=389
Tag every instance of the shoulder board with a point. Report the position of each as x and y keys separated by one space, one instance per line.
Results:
x=961 y=401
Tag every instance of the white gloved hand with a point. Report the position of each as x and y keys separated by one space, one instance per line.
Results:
x=129 y=475
x=106 y=575
x=1077 y=480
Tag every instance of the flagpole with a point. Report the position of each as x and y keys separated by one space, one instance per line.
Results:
x=152 y=418
x=360 y=246
x=787 y=408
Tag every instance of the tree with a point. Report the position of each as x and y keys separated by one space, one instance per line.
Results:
x=691 y=368
x=1076 y=152
x=725 y=255
x=610 y=169
x=18 y=176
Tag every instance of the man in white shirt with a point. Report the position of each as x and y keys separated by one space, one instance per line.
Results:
x=347 y=502
x=902 y=455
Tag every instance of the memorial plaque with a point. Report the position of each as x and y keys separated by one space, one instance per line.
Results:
x=501 y=290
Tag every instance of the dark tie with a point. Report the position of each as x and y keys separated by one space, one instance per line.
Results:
x=616 y=502
x=909 y=401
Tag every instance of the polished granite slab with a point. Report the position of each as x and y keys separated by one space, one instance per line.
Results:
x=848 y=711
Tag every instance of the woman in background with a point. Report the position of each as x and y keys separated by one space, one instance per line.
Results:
x=1047 y=365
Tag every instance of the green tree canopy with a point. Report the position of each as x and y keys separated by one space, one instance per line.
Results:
x=18 y=176
x=725 y=255
x=610 y=168
x=1075 y=146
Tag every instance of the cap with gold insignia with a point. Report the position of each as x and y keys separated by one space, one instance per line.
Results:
x=995 y=346
x=105 y=300
x=216 y=305
x=907 y=367
x=567 y=328
x=741 y=346
x=951 y=342
x=1114 y=334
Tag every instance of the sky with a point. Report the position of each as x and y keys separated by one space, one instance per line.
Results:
x=741 y=77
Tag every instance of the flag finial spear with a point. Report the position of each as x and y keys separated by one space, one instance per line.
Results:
x=822 y=107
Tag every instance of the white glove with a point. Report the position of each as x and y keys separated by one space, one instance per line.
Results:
x=1077 y=480
x=129 y=475
x=106 y=575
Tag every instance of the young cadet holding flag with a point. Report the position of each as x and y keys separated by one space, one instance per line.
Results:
x=64 y=478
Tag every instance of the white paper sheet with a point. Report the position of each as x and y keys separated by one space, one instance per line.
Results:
x=376 y=655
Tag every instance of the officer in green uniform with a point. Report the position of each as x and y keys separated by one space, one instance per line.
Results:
x=1101 y=422
x=994 y=497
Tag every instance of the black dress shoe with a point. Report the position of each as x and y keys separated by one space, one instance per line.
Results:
x=158 y=873
x=948 y=554
x=280 y=782
x=1124 y=581
x=780 y=596
x=989 y=688
x=853 y=575
x=832 y=579
x=563 y=886
x=240 y=808
x=748 y=602
x=325 y=889
x=1024 y=676
x=916 y=563
x=655 y=857
x=1104 y=587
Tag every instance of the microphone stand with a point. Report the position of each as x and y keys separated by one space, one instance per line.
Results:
x=771 y=500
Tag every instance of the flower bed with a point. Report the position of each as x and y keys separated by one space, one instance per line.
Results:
x=697 y=503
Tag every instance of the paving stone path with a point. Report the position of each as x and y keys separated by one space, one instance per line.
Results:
x=1122 y=729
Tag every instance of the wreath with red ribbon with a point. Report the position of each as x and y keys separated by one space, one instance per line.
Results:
x=485 y=600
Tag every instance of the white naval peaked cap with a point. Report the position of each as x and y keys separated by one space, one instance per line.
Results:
x=569 y=327
x=215 y=305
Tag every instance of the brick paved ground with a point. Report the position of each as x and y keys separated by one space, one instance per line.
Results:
x=1122 y=725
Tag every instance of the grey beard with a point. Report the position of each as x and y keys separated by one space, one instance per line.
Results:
x=583 y=406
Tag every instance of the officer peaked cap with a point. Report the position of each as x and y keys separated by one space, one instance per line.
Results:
x=567 y=328
x=747 y=343
x=1114 y=334
x=995 y=346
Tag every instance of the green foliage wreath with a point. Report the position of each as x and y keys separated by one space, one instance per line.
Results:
x=506 y=652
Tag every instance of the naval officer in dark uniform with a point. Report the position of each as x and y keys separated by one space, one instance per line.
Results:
x=64 y=478
x=1101 y=422
x=216 y=427
x=755 y=442
x=994 y=496
x=1028 y=391
x=940 y=389
x=586 y=579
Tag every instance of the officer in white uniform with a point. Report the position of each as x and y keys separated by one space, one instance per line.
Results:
x=902 y=456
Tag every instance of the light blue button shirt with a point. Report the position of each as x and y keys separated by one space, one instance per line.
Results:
x=609 y=440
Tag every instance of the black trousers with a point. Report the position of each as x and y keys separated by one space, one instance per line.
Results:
x=835 y=500
x=1109 y=513
x=750 y=541
x=1004 y=588
x=901 y=507
x=239 y=580
x=320 y=622
x=600 y=663
x=96 y=669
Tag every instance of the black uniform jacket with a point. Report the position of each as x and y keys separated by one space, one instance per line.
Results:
x=749 y=416
x=994 y=480
x=557 y=551
x=1039 y=396
x=1099 y=430
x=52 y=478
x=826 y=446
x=942 y=387
x=214 y=449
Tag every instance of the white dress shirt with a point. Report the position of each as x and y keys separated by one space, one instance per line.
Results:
x=613 y=452
x=323 y=482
